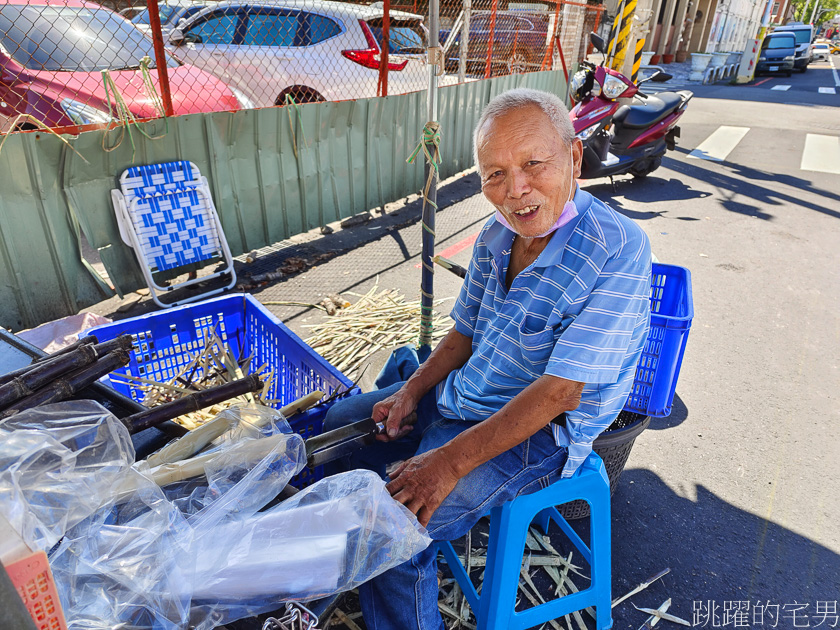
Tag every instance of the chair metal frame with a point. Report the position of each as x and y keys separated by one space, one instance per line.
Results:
x=126 y=201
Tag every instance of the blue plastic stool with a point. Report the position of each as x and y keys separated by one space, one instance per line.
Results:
x=509 y=524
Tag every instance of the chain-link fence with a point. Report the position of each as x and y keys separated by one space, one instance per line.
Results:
x=66 y=63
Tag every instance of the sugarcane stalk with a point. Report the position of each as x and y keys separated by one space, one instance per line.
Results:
x=192 y=442
x=66 y=387
x=45 y=372
x=194 y=402
x=10 y=376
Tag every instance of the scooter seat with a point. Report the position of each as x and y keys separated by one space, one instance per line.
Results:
x=649 y=111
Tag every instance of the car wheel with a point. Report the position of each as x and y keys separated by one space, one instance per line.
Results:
x=788 y=73
x=803 y=68
x=518 y=63
x=300 y=94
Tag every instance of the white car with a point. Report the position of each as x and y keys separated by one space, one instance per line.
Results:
x=171 y=13
x=267 y=49
x=820 y=52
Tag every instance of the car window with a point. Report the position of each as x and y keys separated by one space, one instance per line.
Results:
x=404 y=36
x=271 y=29
x=803 y=36
x=316 y=29
x=59 y=38
x=218 y=28
x=773 y=43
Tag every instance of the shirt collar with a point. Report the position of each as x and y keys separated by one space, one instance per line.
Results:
x=499 y=239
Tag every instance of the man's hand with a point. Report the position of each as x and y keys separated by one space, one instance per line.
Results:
x=422 y=483
x=398 y=413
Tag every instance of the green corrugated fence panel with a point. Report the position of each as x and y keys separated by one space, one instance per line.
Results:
x=273 y=173
x=42 y=276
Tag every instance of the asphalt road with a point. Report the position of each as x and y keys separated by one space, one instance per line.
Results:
x=737 y=490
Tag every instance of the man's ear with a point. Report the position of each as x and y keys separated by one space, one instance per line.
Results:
x=577 y=156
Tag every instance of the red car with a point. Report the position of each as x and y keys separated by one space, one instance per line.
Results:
x=52 y=54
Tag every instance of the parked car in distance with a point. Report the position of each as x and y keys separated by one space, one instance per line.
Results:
x=777 y=54
x=804 y=33
x=171 y=13
x=519 y=41
x=820 y=52
x=268 y=49
x=52 y=55
x=130 y=12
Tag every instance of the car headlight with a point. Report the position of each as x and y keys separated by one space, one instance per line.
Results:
x=83 y=114
x=613 y=87
x=244 y=101
x=789 y=58
x=588 y=132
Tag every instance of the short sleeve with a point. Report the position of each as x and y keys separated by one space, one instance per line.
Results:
x=594 y=346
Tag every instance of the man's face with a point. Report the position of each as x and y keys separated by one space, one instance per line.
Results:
x=526 y=169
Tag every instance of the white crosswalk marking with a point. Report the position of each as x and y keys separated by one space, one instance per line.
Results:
x=783 y=88
x=720 y=144
x=827 y=90
x=821 y=154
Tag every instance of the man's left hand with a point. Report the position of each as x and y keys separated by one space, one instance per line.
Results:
x=422 y=483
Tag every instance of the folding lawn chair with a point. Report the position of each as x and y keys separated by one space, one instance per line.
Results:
x=166 y=215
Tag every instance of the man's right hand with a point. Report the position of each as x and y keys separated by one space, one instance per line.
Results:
x=398 y=413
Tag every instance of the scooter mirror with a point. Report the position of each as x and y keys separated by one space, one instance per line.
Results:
x=661 y=77
x=598 y=43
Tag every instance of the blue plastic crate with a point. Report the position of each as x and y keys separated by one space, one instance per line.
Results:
x=672 y=309
x=165 y=341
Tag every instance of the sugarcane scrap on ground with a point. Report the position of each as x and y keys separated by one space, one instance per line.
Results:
x=378 y=320
x=542 y=564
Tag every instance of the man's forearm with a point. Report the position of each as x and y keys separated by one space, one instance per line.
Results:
x=451 y=353
x=531 y=410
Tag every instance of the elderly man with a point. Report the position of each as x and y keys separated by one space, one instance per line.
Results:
x=549 y=326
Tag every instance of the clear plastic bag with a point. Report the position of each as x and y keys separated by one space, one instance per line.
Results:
x=57 y=466
x=127 y=566
x=135 y=555
x=329 y=538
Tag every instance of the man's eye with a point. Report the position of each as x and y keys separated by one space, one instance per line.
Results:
x=533 y=163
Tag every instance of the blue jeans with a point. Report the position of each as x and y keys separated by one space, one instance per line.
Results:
x=406 y=596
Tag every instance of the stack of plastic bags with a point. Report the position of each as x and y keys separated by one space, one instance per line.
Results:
x=199 y=552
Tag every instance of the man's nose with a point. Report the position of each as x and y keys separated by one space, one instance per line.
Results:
x=517 y=184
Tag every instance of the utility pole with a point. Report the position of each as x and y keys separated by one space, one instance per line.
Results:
x=814 y=12
x=746 y=70
x=804 y=10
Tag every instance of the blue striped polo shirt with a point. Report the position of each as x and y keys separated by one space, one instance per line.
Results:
x=579 y=312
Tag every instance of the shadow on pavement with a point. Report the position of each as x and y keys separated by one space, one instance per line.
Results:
x=718 y=554
x=753 y=191
x=646 y=190
x=678 y=415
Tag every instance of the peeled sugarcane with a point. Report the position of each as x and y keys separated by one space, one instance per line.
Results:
x=194 y=402
x=201 y=436
x=192 y=442
x=71 y=384
x=41 y=374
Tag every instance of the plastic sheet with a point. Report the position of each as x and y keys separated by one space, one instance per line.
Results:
x=57 y=465
x=127 y=565
x=331 y=537
x=196 y=552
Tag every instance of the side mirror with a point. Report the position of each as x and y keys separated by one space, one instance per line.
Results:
x=598 y=43
x=661 y=77
x=176 y=37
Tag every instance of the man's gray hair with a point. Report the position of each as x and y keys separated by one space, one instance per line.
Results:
x=551 y=104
